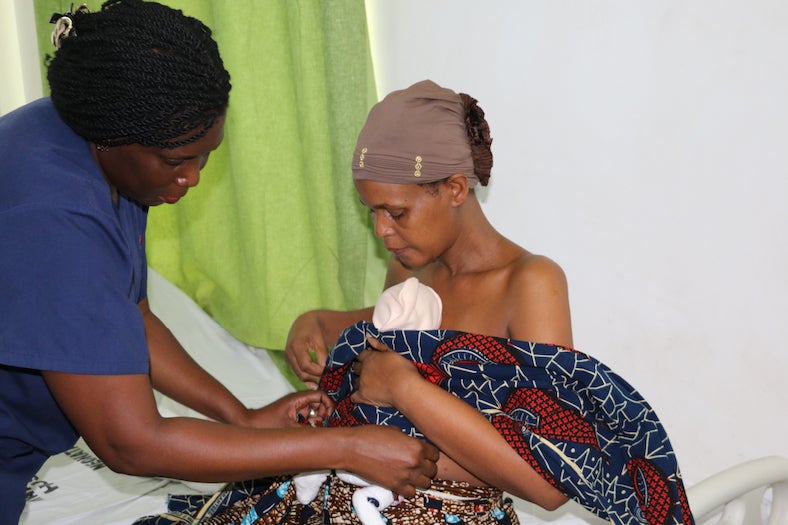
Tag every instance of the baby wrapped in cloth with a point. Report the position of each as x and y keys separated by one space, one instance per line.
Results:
x=409 y=305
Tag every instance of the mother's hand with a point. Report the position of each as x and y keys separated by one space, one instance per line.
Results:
x=306 y=349
x=382 y=375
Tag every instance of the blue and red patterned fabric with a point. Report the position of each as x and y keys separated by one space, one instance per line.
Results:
x=578 y=424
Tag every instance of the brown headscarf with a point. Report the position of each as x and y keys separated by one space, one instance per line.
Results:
x=424 y=133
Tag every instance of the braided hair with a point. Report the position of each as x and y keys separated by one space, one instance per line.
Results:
x=137 y=72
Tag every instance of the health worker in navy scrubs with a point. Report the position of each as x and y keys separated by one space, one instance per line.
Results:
x=138 y=100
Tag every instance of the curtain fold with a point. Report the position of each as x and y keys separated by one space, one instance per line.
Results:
x=275 y=228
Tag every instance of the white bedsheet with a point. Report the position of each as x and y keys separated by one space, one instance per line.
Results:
x=76 y=488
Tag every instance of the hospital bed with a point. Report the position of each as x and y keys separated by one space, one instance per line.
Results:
x=76 y=488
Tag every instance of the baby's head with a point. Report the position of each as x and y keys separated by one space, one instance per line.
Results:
x=409 y=305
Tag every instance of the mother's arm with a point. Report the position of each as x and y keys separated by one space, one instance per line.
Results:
x=456 y=428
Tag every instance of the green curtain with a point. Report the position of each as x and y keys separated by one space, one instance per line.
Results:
x=274 y=227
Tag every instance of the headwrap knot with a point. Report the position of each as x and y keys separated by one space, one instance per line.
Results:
x=479 y=136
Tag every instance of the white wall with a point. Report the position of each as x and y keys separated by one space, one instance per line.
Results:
x=644 y=147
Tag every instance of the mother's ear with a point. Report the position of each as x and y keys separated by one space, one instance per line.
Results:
x=458 y=187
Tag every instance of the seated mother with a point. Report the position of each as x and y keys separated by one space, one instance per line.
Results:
x=497 y=389
x=417 y=160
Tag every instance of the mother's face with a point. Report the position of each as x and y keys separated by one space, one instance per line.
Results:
x=153 y=176
x=415 y=222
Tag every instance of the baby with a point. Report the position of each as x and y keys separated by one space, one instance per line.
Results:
x=408 y=305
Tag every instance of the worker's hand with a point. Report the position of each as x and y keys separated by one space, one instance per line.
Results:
x=293 y=410
x=306 y=350
x=387 y=457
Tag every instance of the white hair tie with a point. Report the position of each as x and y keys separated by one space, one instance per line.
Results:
x=64 y=25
